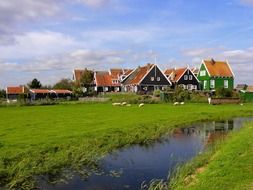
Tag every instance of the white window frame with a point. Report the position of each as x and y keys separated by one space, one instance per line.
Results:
x=190 y=77
x=152 y=78
x=158 y=78
x=205 y=85
x=212 y=83
x=225 y=83
x=202 y=73
x=106 y=89
x=185 y=77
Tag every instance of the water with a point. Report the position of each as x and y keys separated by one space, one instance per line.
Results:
x=129 y=167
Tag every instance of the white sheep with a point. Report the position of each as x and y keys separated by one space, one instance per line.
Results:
x=141 y=105
x=182 y=103
x=116 y=104
x=176 y=103
x=123 y=103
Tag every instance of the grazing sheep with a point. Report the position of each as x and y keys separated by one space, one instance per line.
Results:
x=176 y=103
x=123 y=103
x=241 y=104
x=116 y=104
x=141 y=105
x=182 y=103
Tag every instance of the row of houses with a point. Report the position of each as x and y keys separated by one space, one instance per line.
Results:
x=14 y=93
x=209 y=76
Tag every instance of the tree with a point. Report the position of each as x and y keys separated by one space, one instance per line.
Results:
x=64 y=84
x=35 y=83
x=2 y=93
x=86 y=78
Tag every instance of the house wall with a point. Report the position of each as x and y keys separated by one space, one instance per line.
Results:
x=219 y=81
x=194 y=81
x=155 y=72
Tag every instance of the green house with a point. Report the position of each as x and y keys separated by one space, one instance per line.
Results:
x=215 y=74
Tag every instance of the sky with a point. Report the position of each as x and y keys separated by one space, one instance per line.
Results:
x=47 y=39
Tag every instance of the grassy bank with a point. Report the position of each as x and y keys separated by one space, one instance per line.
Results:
x=228 y=165
x=44 y=139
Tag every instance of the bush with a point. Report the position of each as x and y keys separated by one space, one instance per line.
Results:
x=223 y=93
x=157 y=93
x=181 y=95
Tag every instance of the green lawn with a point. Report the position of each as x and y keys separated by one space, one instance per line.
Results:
x=44 y=139
x=230 y=166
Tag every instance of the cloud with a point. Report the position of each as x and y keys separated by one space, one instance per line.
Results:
x=37 y=44
x=241 y=60
x=50 y=69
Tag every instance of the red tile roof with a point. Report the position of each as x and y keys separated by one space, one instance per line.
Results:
x=103 y=78
x=218 y=68
x=127 y=71
x=15 y=90
x=178 y=73
x=115 y=73
x=138 y=74
x=167 y=72
x=175 y=74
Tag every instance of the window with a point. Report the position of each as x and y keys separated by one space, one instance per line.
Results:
x=190 y=77
x=202 y=73
x=152 y=78
x=225 y=83
x=205 y=84
x=158 y=79
x=106 y=89
x=186 y=77
x=212 y=84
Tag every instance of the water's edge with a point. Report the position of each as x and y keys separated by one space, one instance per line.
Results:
x=128 y=167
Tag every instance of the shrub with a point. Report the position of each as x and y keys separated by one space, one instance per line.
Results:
x=223 y=93
x=181 y=95
x=157 y=93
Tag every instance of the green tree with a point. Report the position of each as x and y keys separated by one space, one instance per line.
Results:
x=35 y=83
x=2 y=93
x=64 y=84
x=86 y=78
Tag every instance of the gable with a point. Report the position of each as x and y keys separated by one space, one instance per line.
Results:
x=155 y=77
x=203 y=72
x=188 y=77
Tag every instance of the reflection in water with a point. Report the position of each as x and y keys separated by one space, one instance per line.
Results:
x=129 y=167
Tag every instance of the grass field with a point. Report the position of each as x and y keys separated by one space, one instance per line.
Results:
x=228 y=166
x=44 y=139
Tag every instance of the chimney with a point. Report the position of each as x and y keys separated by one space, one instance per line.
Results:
x=212 y=61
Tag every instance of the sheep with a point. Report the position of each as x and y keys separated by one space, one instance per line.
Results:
x=141 y=105
x=123 y=103
x=182 y=103
x=116 y=104
x=176 y=103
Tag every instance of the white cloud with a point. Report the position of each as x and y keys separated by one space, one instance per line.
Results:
x=241 y=60
x=37 y=44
